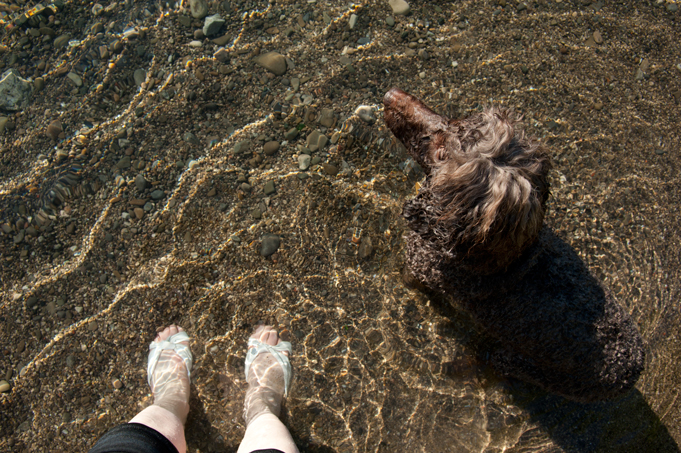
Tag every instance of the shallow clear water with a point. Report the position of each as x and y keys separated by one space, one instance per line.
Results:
x=378 y=367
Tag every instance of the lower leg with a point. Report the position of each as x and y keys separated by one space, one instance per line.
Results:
x=267 y=431
x=170 y=387
x=262 y=405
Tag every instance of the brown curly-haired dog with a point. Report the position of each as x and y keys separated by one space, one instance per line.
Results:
x=478 y=236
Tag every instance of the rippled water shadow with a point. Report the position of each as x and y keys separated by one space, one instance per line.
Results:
x=627 y=424
x=200 y=432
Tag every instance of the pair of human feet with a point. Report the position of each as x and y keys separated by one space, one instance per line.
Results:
x=266 y=373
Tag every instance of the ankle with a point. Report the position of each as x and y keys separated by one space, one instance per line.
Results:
x=260 y=401
x=177 y=407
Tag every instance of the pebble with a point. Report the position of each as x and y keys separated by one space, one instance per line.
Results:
x=291 y=134
x=212 y=24
x=597 y=37
x=61 y=41
x=271 y=147
x=4 y=386
x=353 y=21
x=400 y=7
x=75 y=79
x=270 y=244
x=15 y=91
x=329 y=169
x=672 y=7
x=191 y=138
x=316 y=140
x=366 y=113
x=39 y=83
x=242 y=146
x=140 y=183
x=198 y=8
x=269 y=188
x=140 y=75
x=124 y=163
x=327 y=118
x=304 y=161
x=157 y=194
x=3 y=122
x=19 y=237
x=139 y=213
x=221 y=41
x=273 y=62
x=390 y=21
x=365 y=248
x=54 y=129
x=117 y=384
x=195 y=44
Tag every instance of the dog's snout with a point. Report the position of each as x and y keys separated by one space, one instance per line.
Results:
x=392 y=97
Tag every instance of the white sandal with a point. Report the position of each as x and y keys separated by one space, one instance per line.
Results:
x=174 y=343
x=255 y=347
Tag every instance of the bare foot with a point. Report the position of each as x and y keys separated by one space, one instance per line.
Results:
x=169 y=380
x=266 y=382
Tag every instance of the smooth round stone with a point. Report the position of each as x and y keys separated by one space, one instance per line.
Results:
x=117 y=384
x=273 y=62
x=400 y=7
x=269 y=188
x=140 y=75
x=270 y=244
x=329 y=169
x=198 y=8
x=291 y=134
x=157 y=194
x=353 y=21
x=75 y=79
x=61 y=41
x=4 y=386
x=54 y=129
x=3 y=122
x=304 y=161
x=140 y=183
x=597 y=37
x=271 y=147
x=196 y=44
x=39 y=84
x=390 y=21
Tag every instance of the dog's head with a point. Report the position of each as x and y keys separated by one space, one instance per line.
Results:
x=486 y=189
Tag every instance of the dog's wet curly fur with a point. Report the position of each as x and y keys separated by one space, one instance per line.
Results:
x=478 y=236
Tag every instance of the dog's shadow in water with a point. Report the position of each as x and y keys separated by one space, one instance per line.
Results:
x=626 y=424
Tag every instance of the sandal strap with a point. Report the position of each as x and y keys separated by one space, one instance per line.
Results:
x=172 y=343
x=256 y=347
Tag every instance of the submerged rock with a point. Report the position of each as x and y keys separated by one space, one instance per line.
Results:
x=15 y=91
x=273 y=62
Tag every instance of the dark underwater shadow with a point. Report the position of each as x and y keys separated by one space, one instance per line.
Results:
x=623 y=425
x=626 y=424
x=199 y=432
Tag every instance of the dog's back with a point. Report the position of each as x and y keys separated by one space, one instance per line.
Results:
x=559 y=326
